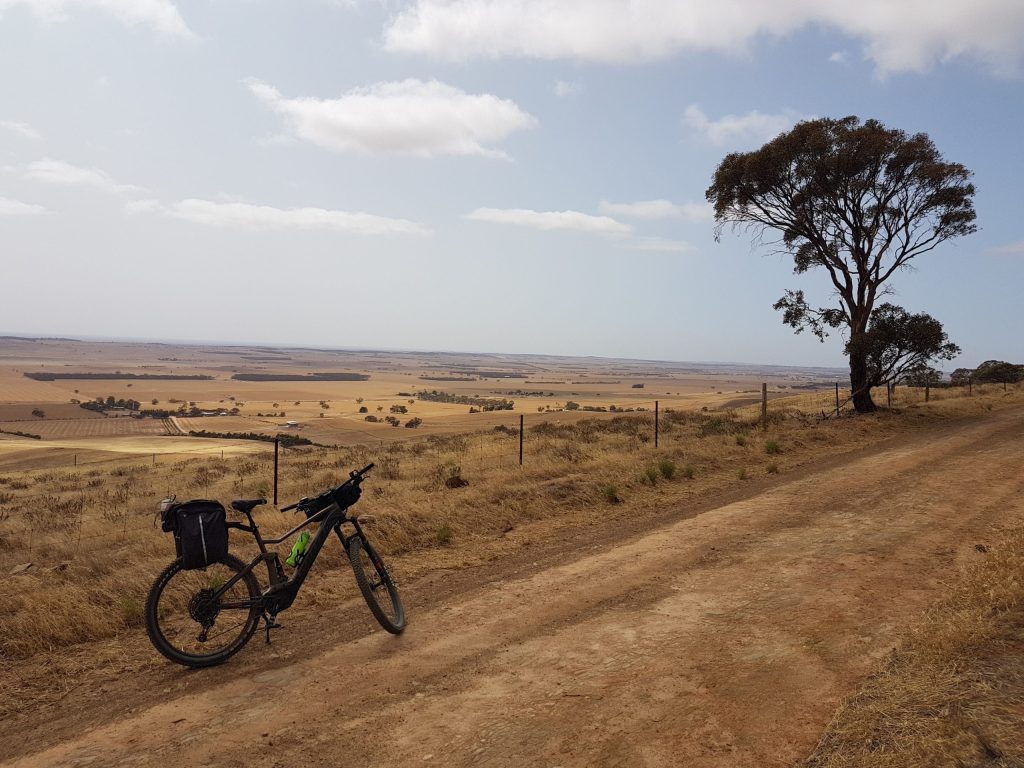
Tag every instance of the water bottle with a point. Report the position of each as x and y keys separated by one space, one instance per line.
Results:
x=298 y=550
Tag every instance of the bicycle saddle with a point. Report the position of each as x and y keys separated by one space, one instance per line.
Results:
x=246 y=505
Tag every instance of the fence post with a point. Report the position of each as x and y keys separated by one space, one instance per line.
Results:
x=927 y=391
x=520 y=439
x=655 y=423
x=277 y=446
x=764 y=405
x=76 y=459
x=837 y=398
x=888 y=394
x=970 y=386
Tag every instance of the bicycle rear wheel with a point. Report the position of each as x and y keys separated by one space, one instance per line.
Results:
x=376 y=584
x=188 y=626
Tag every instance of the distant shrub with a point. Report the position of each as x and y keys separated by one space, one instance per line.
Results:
x=742 y=474
x=371 y=417
x=611 y=494
x=413 y=422
x=773 y=469
x=650 y=476
x=689 y=471
x=571 y=406
x=772 y=448
x=388 y=468
x=717 y=425
x=741 y=440
x=449 y=475
x=667 y=467
x=444 y=534
x=363 y=409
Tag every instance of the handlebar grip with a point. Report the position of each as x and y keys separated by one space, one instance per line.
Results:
x=290 y=507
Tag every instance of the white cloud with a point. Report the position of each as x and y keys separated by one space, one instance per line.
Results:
x=565 y=88
x=159 y=15
x=551 y=220
x=659 y=209
x=259 y=218
x=910 y=35
x=660 y=245
x=1016 y=247
x=57 y=172
x=752 y=128
x=22 y=129
x=10 y=207
x=410 y=117
x=838 y=57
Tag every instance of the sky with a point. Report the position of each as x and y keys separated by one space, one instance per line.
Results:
x=522 y=176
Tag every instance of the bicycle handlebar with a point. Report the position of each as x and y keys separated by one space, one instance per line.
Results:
x=355 y=476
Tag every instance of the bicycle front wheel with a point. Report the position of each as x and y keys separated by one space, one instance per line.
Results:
x=189 y=625
x=376 y=584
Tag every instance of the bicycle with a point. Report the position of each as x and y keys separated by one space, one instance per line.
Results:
x=224 y=600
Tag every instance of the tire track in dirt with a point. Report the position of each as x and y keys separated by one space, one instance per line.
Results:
x=724 y=639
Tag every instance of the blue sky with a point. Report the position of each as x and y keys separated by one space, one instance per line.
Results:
x=476 y=175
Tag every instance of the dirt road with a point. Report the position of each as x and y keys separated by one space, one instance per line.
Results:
x=721 y=640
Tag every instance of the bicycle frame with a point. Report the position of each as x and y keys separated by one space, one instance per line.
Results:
x=282 y=592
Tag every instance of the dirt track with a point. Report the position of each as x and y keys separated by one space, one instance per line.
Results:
x=721 y=640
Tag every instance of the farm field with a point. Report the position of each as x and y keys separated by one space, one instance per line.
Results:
x=58 y=429
x=342 y=413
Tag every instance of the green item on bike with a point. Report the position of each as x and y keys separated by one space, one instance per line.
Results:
x=298 y=549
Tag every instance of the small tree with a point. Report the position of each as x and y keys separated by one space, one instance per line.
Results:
x=961 y=377
x=921 y=376
x=859 y=201
x=999 y=372
x=897 y=342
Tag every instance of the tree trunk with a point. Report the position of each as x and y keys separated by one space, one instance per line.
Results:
x=862 y=402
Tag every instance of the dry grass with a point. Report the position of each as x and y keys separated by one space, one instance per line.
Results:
x=953 y=694
x=90 y=535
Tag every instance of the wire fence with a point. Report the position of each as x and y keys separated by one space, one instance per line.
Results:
x=51 y=515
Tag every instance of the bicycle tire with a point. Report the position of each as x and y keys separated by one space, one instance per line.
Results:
x=156 y=623
x=371 y=586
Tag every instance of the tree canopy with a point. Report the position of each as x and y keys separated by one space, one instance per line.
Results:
x=999 y=372
x=857 y=200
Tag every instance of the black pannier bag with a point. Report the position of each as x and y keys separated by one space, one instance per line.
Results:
x=200 y=532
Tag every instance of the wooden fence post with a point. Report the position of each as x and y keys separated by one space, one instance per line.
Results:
x=520 y=439
x=764 y=405
x=655 y=423
x=837 y=398
x=277 y=445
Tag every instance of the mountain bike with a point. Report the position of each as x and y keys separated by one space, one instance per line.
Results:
x=202 y=617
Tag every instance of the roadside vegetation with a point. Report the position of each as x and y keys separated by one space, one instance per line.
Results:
x=953 y=692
